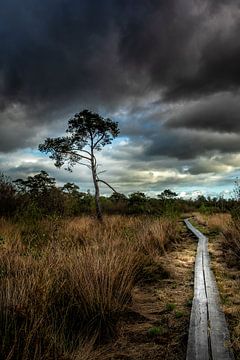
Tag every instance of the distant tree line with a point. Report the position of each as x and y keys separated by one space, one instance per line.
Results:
x=38 y=196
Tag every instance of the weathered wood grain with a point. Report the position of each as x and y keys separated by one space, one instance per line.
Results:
x=218 y=329
x=208 y=333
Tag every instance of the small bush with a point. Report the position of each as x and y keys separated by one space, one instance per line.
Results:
x=179 y=314
x=170 y=306
x=155 y=331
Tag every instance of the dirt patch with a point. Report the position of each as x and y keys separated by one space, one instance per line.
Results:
x=157 y=325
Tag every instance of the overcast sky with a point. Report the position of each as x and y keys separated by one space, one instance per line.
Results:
x=168 y=71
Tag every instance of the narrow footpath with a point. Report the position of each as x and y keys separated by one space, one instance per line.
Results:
x=208 y=332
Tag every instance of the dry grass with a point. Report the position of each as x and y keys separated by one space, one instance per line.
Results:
x=230 y=230
x=65 y=284
x=216 y=222
x=231 y=242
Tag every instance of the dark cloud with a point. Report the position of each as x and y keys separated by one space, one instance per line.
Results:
x=182 y=144
x=192 y=144
x=218 y=69
x=53 y=51
x=106 y=51
x=167 y=70
x=203 y=128
x=186 y=48
x=219 y=113
x=158 y=43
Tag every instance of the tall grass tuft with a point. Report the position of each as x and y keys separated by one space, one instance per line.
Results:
x=232 y=241
x=229 y=227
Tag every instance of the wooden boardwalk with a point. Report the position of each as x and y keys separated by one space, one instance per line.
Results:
x=208 y=333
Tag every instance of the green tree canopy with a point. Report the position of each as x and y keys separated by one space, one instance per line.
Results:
x=36 y=184
x=167 y=194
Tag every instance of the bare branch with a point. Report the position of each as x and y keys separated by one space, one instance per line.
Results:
x=85 y=151
x=104 y=182
x=84 y=157
x=77 y=155
x=88 y=166
x=101 y=172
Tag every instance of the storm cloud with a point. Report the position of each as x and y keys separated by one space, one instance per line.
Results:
x=63 y=50
x=168 y=71
x=220 y=113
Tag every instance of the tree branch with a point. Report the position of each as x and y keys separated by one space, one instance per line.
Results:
x=88 y=166
x=85 y=151
x=104 y=182
x=76 y=154
x=98 y=141
x=101 y=172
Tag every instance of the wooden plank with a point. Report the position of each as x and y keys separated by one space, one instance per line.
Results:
x=208 y=332
x=195 y=231
x=219 y=334
x=198 y=330
x=198 y=336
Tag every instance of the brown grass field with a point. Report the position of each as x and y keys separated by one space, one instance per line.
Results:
x=78 y=289
x=65 y=284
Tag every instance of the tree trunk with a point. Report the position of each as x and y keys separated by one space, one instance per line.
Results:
x=97 y=193
x=97 y=201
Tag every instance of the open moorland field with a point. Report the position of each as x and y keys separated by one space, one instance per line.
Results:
x=120 y=180
x=76 y=288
